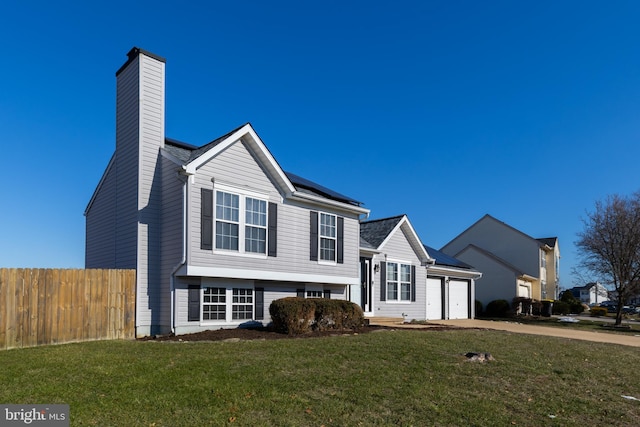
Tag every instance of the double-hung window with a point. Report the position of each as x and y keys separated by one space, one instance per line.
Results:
x=227 y=220
x=242 y=307
x=241 y=223
x=255 y=235
x=327 y=237
x=398 y=282
x=218 y=303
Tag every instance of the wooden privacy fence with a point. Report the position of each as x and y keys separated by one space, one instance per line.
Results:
x=52 y=306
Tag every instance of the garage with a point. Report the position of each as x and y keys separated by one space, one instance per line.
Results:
x=458 y=299
x=434 y=298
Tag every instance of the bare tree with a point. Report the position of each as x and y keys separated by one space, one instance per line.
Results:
x=609 y=246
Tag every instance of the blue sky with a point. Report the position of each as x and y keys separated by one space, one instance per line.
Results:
x=443 y=110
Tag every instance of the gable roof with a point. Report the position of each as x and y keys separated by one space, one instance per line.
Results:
x=377 y=232
x=374 y=232
x=540 y=242
x=191 y=158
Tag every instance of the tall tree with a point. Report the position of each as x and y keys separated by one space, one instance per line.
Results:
x=609 y=246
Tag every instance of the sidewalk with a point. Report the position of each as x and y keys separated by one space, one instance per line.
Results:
x=515 y=327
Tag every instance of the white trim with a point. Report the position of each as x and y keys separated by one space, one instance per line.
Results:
x=304 y=197
x=453 y=272
x=235 y=273
x=256 y=143
x=242 y=220
x=422 y=255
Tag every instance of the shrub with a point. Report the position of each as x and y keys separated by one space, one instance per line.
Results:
x=296 y=316
x=292 y=315
x=337 y=314
x=561 y=307
x=575 y=306
x=599 y=311
x=497 y=308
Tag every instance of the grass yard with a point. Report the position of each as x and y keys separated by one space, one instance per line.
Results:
x=595 y=324
x=400 y=377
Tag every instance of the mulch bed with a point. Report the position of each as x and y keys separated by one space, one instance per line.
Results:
x=252 y=334
x=269 y=334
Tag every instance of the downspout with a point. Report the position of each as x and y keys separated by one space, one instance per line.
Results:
x=185 y=180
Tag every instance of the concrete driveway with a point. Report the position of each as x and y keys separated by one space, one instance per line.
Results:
x=513 y=326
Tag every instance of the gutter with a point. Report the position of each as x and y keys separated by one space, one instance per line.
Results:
x=185 y=181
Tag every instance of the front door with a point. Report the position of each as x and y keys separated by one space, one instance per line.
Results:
x=366 y=285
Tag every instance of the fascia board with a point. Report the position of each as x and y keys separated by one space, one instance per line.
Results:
x=256 y=144
x=450 y=271
x=321 y=201
x=238 y=273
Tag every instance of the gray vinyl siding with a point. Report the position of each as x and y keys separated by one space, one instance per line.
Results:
x=398 y=249
x=237 y=167
x=171 y=232
x=152 y=288
x=272 y=292
x=100 y=225
x=139 y=136
x=501 y=240
x=127 y=111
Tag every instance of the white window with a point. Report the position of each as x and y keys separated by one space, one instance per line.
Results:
x=314 y=294
x=214 y=304
x=543 y=259
x=241 y=223
x=327 y=237
x=398 y=282
x=219 y=302
x=255 y=236
x=242 y=304
x=227 y=220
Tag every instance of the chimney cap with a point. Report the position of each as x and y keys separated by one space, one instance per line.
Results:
x=134 y=53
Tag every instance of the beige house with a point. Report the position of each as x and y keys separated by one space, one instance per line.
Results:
x=513 y=263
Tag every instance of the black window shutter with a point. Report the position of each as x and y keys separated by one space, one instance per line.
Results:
x=300 y=293
x=340 y=236
x=273 y=230
x=206 y=219
x=413 y=283
x=326 y=293
x=313 y=236
x=194 y=304
x=259 y=307
x=383 y=281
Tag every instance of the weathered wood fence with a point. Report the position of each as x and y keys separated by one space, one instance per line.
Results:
x=51 y=306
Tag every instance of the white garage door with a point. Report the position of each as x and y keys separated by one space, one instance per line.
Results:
x=458 y=299
x=434 y=299
x=524 y=291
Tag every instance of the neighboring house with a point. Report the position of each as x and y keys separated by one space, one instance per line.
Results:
x=513 y=264
x=591 y=293
x=216 y=232
x=400 y=277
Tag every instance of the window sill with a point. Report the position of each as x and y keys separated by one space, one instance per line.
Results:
x=239 y=254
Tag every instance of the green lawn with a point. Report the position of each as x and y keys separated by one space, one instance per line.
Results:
x=400 y=377
x=596 y=324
